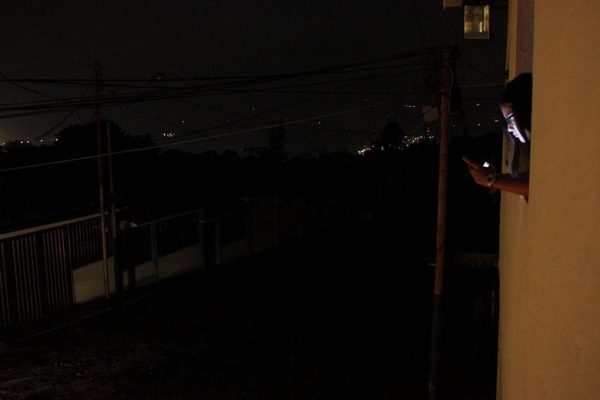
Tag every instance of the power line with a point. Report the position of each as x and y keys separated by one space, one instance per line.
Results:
x=342 y=68
x=59 y=123
x=231 y=81
x=19 y=86
x=62 y=121
x=189 y=141
x=225 y=87
x=32 y=108
x=277 y=108
x=175 y=125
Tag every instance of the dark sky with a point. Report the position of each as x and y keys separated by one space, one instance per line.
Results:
x=191 y=39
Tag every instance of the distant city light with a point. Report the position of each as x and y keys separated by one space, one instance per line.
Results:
x=168 y=134
x=366 y=148
x=407 y=142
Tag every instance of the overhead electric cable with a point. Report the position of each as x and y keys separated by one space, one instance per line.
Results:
x=30 y=108
x=54 y=127
x=189 y=141
x=324 y=70
x=18 y=85
x=62 y=121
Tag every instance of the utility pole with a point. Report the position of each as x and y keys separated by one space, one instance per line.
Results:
x=113 y=216
x=438 y=291
x=101 y=180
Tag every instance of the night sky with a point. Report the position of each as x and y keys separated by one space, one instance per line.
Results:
x=161 y=41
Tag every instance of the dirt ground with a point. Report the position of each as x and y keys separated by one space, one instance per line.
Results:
x=342 y=318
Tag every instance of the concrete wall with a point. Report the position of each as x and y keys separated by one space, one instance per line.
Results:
x=264 y=224
x=266 y=219
x=549 y=263
x=234 y=251
x=88 y=281
x=180 y=261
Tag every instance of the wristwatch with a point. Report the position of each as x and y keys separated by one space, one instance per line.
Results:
x=491 y=179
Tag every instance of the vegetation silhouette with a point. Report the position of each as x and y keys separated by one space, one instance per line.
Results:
x=393 y=183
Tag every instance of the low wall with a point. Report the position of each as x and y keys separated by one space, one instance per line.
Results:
x=180 y=261
x=88 y=281
x=267 y=222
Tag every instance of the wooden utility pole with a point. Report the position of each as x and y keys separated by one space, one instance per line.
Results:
x=101 y=181
x=438 y=290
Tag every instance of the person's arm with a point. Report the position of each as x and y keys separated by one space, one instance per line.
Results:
x=507 y=183
x=481 y=175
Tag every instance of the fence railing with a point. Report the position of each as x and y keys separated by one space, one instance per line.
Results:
x=36 y=267
x=51 y=267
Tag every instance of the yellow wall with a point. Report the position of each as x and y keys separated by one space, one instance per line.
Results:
x=549 y=344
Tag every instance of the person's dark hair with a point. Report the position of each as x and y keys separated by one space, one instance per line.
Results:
x=518 y=93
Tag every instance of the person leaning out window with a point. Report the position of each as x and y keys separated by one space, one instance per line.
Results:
x=515 y=105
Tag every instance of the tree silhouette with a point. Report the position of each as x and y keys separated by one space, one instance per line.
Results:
x=71 y=186
x=391 y=136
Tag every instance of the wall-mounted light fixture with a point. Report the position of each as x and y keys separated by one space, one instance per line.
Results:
x=476 y=21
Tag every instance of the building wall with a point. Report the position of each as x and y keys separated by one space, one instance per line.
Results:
x=549 y=263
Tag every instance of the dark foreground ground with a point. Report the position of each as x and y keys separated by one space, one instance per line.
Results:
x=343 y=316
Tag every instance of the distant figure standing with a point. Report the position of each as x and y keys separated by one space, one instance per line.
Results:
x=515 y=104
x=126 y=246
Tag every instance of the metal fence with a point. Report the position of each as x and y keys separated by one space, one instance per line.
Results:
x=37 y=264
x=35 y=272
x=84 y=241
x=36 y=267
x=42 y=269
x=177 y=232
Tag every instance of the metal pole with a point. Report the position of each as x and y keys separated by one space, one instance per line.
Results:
x=436 y=320
x=113 y=215
x=101 y=183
